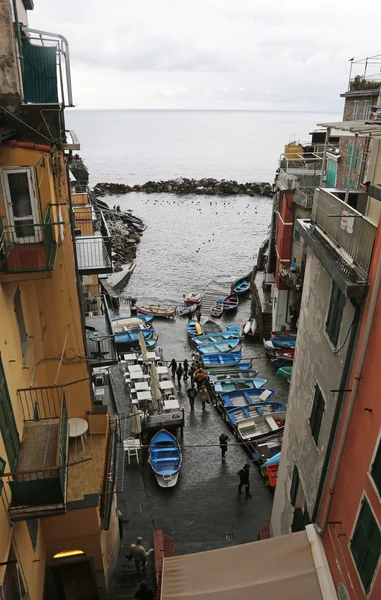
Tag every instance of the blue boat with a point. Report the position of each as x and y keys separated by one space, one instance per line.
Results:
x=213 y=337
x=231 y=374
x=277 y=343
x=219 y=347
x=235 y=415
x=231 y=385
x=194 y=328
x=234 y=329
x=242 y=287
x=150 y=345
x=187 y=309
x=222 y=360
x=246 y=397
x=165 y=458
x=144 y=318
x=132 y=337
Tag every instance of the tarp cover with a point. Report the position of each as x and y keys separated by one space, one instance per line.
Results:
x=280 y=567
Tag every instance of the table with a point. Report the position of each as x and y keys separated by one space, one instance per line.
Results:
x=134 y=368
x=140 y=386
x=151 y=356
x=98 y=337
x=166 y=385
x=171 y=405
x=144 y=396
x=135 y=376
x=78 y=428
x=162 y=370
x=131 y=357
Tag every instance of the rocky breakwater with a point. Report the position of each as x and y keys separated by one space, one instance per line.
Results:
x=182 y=185
x=125 y=231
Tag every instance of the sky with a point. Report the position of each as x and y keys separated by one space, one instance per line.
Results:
x=211 y=54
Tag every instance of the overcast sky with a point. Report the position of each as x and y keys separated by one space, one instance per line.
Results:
x=217 y=54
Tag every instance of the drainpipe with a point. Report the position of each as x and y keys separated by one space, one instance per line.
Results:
x=323 y=166
x=336 y=416
x=350 y=169
x=352 y=399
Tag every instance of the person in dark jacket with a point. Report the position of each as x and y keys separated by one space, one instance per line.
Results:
x=191 y=393
x=186 y=369
x=192 y=371
x=179 y=373
x=144 y=593
x=173 y=366
x=198 y=315
x=223 y=439
x=243 y=475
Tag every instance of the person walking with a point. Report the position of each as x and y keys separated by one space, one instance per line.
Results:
x=223 y=439
x=137 y=552
x=199 y=376
x=243 y=475
x=203 y=397
x=173 y=366
x=198 y=315
x=186 y=369
x=192 y=371
x=144 y=593
x=179 y=373
x=191 y=393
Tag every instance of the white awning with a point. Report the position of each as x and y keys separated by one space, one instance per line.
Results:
x=290 y=566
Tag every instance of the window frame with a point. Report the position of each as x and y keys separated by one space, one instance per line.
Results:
x=3 y=462
x=376 y=455
x=367 y=588
x=335 y=316
x=12 y=439
x=294 y=488
x=349 y=154
x=21 y=326
x=355 y=110
x=316 y=417
x=365 y=110
x=11 y=219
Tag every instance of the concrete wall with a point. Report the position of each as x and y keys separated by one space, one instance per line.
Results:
x=10 y=80
x=315 y=363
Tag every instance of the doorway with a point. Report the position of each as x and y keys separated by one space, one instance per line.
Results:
x=21 y=205
x=73 y=579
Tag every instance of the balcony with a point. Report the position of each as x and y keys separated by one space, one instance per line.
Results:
x=93 y=251
x=39 y=486
x=28 y=249
x=292 y=279
x=100 y=344
x=304 y=197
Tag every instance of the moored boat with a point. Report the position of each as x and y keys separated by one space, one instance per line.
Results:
x=283 y=334
x=246 y=397
x=157 y=311
x=235 y=415
x=165 y=458
x=217 y=309
x=129 y=324
x=231 y=385
x=131 y=338
x=222 y=360
x=244 y=366
x=194 y=328
x=285 y=372
x=231 y=374
x=234 y=329
x=250 y=327
x=213 y=337
x=211 y=327
x=219 y=347
x=261 y=426
x=193 y=298
x=271 y=348
x=150 y=345
x=186 y=310
x=230 y=303
x=242 y=287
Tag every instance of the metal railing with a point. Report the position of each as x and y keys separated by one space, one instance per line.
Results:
x=94 y=251
x=293 y=280
x=109 y=474
x=85 y=220
x=345 y=226
x=28 y=247
x=304 y=197
x=98 y=318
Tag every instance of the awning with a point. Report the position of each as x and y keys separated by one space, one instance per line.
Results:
x=281 y=567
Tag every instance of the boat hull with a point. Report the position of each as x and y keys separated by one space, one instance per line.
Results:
x=211 y=327
x=188 y=310
x=163 y=312
x=165 y=458
x=242 y=288
x=230 y=303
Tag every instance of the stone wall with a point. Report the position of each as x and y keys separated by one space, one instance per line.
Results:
x=9 y=69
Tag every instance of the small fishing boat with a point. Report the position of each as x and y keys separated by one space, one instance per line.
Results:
x=285 y=372
x=282 y=358
x=211 y=327
x=219 y=347
x=246 y=397
x=260 y=426
x=271 y=349
x=129 y=324
x=186 y=310
x=144 y=318
x=242 y=287
x=131 y=338
x=165 y=458
x=250 y=327
x=193 y=298
x=150 y=345
x=232 y=374
x=222 y=360
x=194 y=328
x=230 y=303
x=283 y=334
x=234 y=329
x=267 y=447
x=231 y=385
x=235 y=415
x=157 y=311
x=280 y=343
x=217 y=309
x=243 y=366
x=213 y=337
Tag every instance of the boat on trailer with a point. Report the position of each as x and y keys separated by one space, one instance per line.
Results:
x=165 y=458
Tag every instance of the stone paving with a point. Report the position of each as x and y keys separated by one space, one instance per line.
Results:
x=203 y=511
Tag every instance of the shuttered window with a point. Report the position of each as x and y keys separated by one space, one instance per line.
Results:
x=317 y=414
x=335 y=313
x=8 y=426
x=356 y=159
x=33 y=531
x=294 y=485
x=376 y=469
x=2 y=469
x=349 y=155
x=366 y=545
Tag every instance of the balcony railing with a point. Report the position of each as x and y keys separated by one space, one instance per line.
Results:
x=109 y=474
x=304 y=197
x=293 y=280
x=98 y=319
x=85 y=220
x=28 y=247
x=94 y=251
x=38 y=487
x=345 y=226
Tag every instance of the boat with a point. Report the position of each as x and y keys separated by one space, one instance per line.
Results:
x=186 y=310
x=267 y=447
x=279 y=343
x=230 y=303
x=165 y=458
x=211 y=327
x=213 y=337
x=283 y=334
x=242 y=366
x=246 y=397
x=236 y=415
x=150 y=345
x=250 y=327
x=234 y=329
x=157 y=311
x=285 y=372
x=194 y=328
x=260 y=426
x=271 y=350
x=221 y=360
x=231 y=385
x=231 y=374
x=217 y=309
x=131 y=338
x=282 y=359
x=242 y=287
x=193 y=298
x=219 y=347
x=129 y=324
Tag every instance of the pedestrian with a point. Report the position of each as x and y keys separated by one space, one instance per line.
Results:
x=186 y=369
x=243 y=475
x=223 y=444
x=179 y=373
x=137 y=552
x=192 y=371
x=144 y=593
x=173 y=366
x=114 y=207
x=118 y=208
x=203 y=397
x=198 y=315
x=199 y=376
x=192 y=393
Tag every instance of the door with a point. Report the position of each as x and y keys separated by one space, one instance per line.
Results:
x=21 y=205
x=8 y=426
x=75 y=580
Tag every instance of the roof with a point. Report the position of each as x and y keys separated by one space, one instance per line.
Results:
x=366 y=128
x=281 y=567
x=365 y=92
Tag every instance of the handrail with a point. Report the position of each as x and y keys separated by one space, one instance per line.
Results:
x=43 y=469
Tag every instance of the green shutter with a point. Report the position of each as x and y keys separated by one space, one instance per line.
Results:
x=39 y=74
x=349 y=155
x=376 y=469
x=8 y=426
x=33 y=531
x=366 y=545
x=317 y=414
x=335 y=313
x=2 y=469
x=356 y=159
x=294 y=485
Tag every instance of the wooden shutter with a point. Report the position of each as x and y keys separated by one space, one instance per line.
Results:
x=366 y=545
x=294 y=485
x=317 y=414
x=376 y=469
x=7 y=422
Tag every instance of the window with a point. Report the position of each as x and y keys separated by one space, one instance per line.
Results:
x=8 y=426
x=376 y=469
x=2 y=469
x=21 y=324
x=294 y=486
x=356 y=159
x=33 y=531
x=366 y=544
x=317 y=414
x=331 y=172
x=349 y=155
x=335 y=313
x=365 y=110
x=355 y=110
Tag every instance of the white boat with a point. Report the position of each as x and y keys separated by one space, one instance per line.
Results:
x=192 y=298
x=260 y=426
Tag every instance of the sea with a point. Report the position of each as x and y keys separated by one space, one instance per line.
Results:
x=191 y=243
